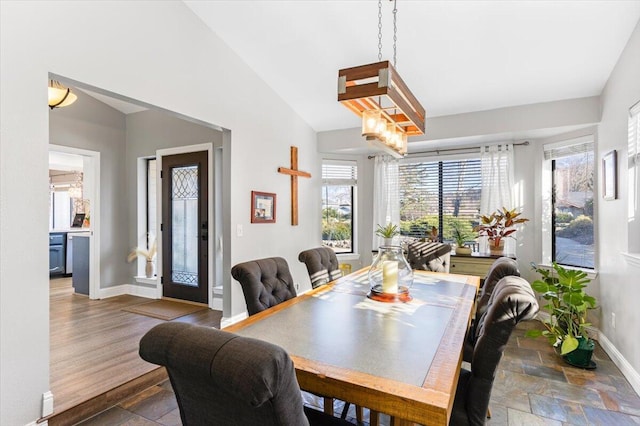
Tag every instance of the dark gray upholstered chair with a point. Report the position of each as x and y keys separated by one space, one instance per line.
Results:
x=265 y=283
x=322 y=265
x=502 y=267
x=429 y=256
x=512 y=301
x=221 y=378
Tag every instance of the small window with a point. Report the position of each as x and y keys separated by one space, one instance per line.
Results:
x=339 y=184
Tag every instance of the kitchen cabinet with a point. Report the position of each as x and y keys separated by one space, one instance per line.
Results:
x=57 y=241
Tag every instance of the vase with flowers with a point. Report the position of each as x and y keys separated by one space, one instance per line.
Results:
x=149 y=256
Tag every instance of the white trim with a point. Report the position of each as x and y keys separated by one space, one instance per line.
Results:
x=633 y=259
x=130 y=289
x=145 y=280
x=38 y=423
x=619 y=360
x=47 y=403
x=348 y=256
x=592 y=274
x=226 y=322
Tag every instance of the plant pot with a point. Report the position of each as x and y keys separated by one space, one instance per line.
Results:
x=581 y=357
x=388 y=241
x=465 y=251
x=496 y=250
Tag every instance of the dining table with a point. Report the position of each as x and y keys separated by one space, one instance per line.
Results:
x=398 y=358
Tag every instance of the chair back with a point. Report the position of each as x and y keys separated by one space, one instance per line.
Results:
x=429 y=256
x=322 y=265
x=512 y=301
x=225 y=379
x=502 y=267
x=265 y=283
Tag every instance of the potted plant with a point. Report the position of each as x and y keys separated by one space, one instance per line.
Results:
x=148 y=255
x=460 y=236
x=567 y=325
x=387 y=232
x=497 y=226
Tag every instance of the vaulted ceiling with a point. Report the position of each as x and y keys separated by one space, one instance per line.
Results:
x=456 y=56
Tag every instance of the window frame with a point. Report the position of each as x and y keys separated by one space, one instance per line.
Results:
x=336 y=181
x=550 y=153
x=440 y=159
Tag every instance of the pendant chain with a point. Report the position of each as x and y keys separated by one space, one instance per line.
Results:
x=379 y=30
x=395 y=31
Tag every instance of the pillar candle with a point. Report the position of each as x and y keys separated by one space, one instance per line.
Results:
x=390 y=276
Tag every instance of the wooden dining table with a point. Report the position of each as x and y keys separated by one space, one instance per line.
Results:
x=400 y=358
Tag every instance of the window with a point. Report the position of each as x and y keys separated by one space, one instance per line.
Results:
x=441 y=194
x=339 y=184
x=151 y=201
x=571 y=165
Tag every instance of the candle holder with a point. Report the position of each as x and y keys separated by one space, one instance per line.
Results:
x=390 y=276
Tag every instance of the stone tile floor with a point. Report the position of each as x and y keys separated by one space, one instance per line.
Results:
x=532 y=387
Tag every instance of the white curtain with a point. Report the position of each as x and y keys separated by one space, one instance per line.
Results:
x=497 y=185
x=386 y=195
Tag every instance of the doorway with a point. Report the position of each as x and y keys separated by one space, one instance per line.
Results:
x=185 y=226
x=85 y=163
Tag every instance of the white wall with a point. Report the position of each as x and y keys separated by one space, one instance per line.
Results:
x=125 y=48
x=619 y=284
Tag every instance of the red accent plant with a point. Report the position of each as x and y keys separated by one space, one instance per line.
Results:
x=499 y=224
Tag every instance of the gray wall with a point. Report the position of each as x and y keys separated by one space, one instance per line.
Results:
x=147 y=132
x=92 y=125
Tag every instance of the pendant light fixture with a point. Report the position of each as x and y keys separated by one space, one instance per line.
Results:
x=59 y=95
x=390 y=112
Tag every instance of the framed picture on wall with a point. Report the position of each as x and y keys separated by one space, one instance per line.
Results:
x=610 y=176
x=263 y=207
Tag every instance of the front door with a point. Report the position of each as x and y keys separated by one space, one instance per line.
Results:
x=184 y=226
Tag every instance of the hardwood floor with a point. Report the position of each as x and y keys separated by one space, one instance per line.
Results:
x=94 y=349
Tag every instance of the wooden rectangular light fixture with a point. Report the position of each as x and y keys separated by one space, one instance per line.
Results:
x=376 y=93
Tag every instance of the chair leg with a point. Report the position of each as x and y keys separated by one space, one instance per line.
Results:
x=359 y=414
x=374 y=418
x=345 y=409
x=488 y=412
x=328 y=406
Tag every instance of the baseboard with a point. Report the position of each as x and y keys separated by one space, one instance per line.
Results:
x=134 y=290
x=627 y=370
x=38 y=423
x=47 y=403
x=226 y=322
x=618 y=359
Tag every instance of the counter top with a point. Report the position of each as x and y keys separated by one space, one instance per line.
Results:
x=68 y=230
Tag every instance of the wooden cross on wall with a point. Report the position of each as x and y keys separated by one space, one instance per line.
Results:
x=294 y=173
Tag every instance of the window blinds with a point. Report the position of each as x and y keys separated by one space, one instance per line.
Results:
x=339 y=172
x=569 y=147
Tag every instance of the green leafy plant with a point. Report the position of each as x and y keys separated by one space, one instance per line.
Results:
x=388 y=231
x=499 y=224
x=460 y=234
x=567 y=307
